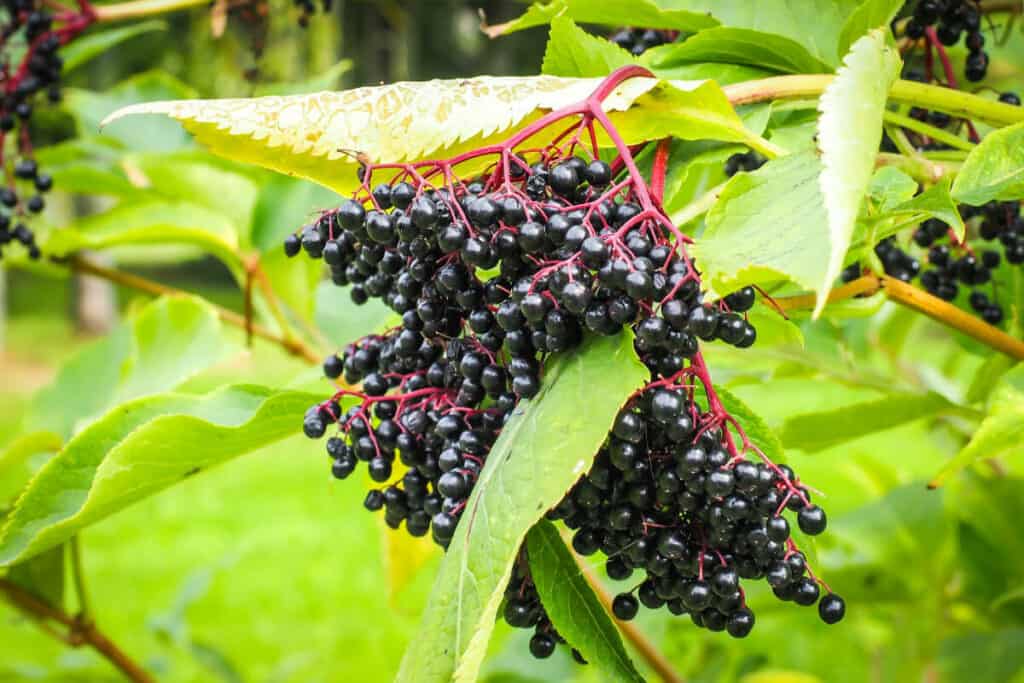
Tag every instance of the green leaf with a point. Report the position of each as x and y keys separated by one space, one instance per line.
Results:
x=18 y=462
x=168 y=341
x=719 y=72
x=1001 y=433
x=138 y=449
x=342 y=320
x=756 y=429
x=202 y=179
x=327 y=80
x=989 y=657
x=573 y=607
x=742 y=46
x=152 y=221
x=890 y=187
x=773 y=329
x=813 y=432
x=571 y=51
x=868 y=15
x=935 y=202
x=549 y=442
x=608 y=12
x=853 y=101
x=42 y=576
x=89 y=109
x=312 y=136
x=994 y=169
x=88 y=47
x=283 y=205
x=767 y=225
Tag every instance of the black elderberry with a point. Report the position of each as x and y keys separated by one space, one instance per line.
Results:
x=811 y=520
x=542 y=646
x=831 y=609
x=625 y=606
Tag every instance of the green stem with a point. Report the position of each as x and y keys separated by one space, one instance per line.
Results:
x=933 y=132
x=959 y=104
x=899 y=138
x=142 y=8
x=919 y=168
x=79 y=576
x=945 y=155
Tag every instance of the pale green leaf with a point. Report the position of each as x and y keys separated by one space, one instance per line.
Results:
x=572 y=606
x=813 y=432
x=853 y=101
x=86 y=48
x=608 y=12
x=167 y=342
x=549 y=442
x=283 y=206
x=343 y=321
x=315 y=136
x=152 y=221
x=773 y=329
x=935 y=202
x=741 y=46
x=890 y=187
x=571 y=51
x=994 y=169
x=19 y=461
x=767 y=225
x=140 y=448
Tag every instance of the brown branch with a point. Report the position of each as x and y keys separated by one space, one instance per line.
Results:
x=920 y=301
x=81 y=631
x=294 y=347
x=644 y=647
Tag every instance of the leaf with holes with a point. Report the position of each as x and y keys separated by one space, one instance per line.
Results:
x=139 y=448
x=572 y=606
x=544 y=448
x=317 y=136
x=853 y=101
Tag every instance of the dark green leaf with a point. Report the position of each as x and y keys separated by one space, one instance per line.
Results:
x=571 y=51
x=573 y=607
x=549 y=442
x=813 y=432
x=92 y=45
x=756 y=429
x=42 y=576
x=982 y=657
x=994 y=169
x=139 y=448
x=741 y=46
x=610 y=13
x=870 y=14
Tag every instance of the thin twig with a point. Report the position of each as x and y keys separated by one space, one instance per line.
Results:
x=295 y=347
x=920 y=301
x=136 y=9
x=81 y=631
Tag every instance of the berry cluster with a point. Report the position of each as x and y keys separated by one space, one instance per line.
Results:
x=955 y=18
x=669 y=496
x=36 y=71
x=952 y=265
x=491 y=275
x=523 y=609
x=307 y=8
x=637 y=41
x=744 y=161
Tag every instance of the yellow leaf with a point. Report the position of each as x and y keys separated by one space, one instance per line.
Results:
x=318 y=136
x=404 y=557
x=780 y=677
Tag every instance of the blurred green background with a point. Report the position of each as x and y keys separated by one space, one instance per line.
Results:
x=266 y=570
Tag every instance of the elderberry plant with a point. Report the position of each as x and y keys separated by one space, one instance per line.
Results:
x=494 y=275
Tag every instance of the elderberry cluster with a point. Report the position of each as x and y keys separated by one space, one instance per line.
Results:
x=666 y=500
x=953 y=19
x=37 y=71
x=637 y=41
x=307 y=8
x=523 y=609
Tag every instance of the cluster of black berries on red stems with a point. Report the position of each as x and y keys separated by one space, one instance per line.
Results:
x=951 y=266
x=491 y=276
x=30 y=68
x=945 y=22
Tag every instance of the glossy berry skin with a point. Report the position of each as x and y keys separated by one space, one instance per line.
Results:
x=542 y=646
x=812 y=520
x=625 y=606
x=831 y=609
